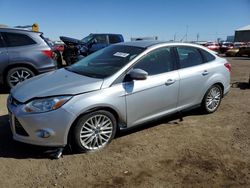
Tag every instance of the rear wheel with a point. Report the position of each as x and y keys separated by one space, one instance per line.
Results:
x=212 y=99
x=17 y=75
x=93 y=131
x=237 y=54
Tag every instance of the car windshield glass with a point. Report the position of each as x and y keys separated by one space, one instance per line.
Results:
x=105 y=62
x=87 y=39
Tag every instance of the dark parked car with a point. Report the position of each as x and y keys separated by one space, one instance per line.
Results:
x=23 y=54
x=225 y=46
x=75 y=49
x=212 y=46
x=244 y=51
x=237 y=52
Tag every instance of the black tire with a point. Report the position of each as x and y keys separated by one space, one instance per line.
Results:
x=237 y=54
x=17 y=75
x=76 y=142
x=205 y=106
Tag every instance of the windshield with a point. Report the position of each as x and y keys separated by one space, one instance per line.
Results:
x=87 y=39
x=105 y=62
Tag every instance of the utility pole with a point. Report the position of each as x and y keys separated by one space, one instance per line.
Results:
x=197 y=36
x=186 y=33
x=175 y=37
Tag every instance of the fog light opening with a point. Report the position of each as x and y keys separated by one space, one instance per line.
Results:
x=43 y=134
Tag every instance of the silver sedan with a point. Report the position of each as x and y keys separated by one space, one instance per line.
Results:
x=118 y=87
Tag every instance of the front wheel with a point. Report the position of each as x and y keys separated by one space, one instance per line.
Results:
x=93 y=131
x=212 y=99
x=17 y=75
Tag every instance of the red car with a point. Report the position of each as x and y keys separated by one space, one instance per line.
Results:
x=58 y=47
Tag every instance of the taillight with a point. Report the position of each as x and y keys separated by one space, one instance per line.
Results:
x=48 y=53
x=228 y=66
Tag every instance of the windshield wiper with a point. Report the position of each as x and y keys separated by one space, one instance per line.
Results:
x=70 y=70
x=84 y=73
x=92 y=75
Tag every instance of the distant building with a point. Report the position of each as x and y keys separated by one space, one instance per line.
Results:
x=230 y=38
x=242 y=34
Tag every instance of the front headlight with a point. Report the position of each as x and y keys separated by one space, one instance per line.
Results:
x=45 y=104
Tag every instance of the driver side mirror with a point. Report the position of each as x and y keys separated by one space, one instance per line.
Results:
x=138 y=74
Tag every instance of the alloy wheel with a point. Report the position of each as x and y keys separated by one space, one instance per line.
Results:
x=19 y=75
x=96 y=132
x=213 y=99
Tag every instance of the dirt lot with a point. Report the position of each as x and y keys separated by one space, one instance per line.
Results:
x=201 y=151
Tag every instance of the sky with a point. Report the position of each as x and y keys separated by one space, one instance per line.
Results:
x=167 y=19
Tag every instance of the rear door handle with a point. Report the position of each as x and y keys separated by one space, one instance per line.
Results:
x=169 y=82
x=205 y=72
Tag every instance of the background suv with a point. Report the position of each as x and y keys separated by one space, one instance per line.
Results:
x=23 y=54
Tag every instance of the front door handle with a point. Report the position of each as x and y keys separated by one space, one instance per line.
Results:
x=169 y=82
x=205 y=72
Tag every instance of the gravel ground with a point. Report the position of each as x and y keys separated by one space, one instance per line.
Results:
x=201 y=151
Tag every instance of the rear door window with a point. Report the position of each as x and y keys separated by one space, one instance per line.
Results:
x=114 y=39
x=101 y=39
x=207 y=56
x=189 y=56
x=17 y=39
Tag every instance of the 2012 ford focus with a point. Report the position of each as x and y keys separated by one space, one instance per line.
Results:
x=115 y=88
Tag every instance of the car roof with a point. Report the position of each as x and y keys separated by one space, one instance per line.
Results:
x=104 y=34
x=141 y=43
x=150 y=43
x=17 y=29
x=155 y=43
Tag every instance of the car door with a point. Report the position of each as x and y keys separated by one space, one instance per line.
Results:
x=101 y=42
x=113 y=39
x=4 y=58
x=194 y=74
x=157 y=95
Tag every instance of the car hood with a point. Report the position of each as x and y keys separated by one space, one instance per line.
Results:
x=72 y=41
x=233 y=50
x=59 y=82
